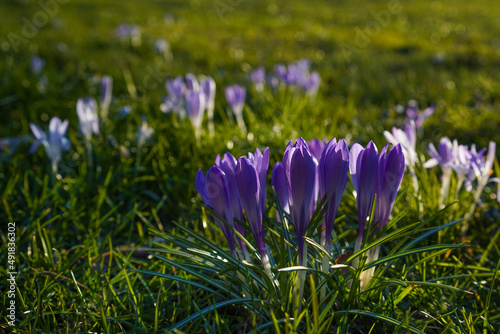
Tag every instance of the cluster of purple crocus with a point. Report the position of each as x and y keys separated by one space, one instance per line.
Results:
x=192 y=97
x=309 y=172
x=295 y=75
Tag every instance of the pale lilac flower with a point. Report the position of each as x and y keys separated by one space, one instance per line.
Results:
x=86 y=110
x=311 y=84
x=54 y=143
x=258 y=77
x=106 y=94
x=408 y=140
x=413 y=113
x=195 y=107
x=235 y=96
x=442 y=156
x=161 y=46
x=144 y=134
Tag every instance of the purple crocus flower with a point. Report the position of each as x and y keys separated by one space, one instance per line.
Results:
x=208 y=86
x=333 y=168
x=195 y=107
x=311 y=84
x=407 y=139
x=54 y=143
x=442 y=156
x=228 y=164
x=391 y=167
x=214 y=190
x=258 y=78
x=417 y=116
x=250 y=189
x=106 y=94
x=281 y=72
x=363 y=164
x=86 y=110
x=176 y=88
x=235 y=96
x=300 y=171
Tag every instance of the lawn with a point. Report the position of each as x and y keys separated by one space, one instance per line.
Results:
x=108 y=232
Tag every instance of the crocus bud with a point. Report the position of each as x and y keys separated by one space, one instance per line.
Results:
x=390 y=171
x=86 y=110
x=363 y=163
x=333 y=169
x=106 y=94
x=300 y=170
x=214 y=190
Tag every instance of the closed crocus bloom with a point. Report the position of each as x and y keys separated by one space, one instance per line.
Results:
x=228 y=165
x=192 y=83
x=300 y=169
x=332 y=170
x=235 y=96
x=195 y=107
x=208 y=86
x=363 y=165
x=106 y=94
x=391 y=166
x=86 y=110
x=54 y=143
x=249 y=186
x=258 y=78
x=317 y=146
x=278 y=181
x=214 y=190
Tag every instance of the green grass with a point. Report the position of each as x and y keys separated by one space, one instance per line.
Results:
x=104 y=249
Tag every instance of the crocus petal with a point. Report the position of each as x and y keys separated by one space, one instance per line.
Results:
x=201 y=186
x=391 y=173
x=366 y=170
x=38 y=132
x=278 y=181
x=354 y=153
x=218 y=193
